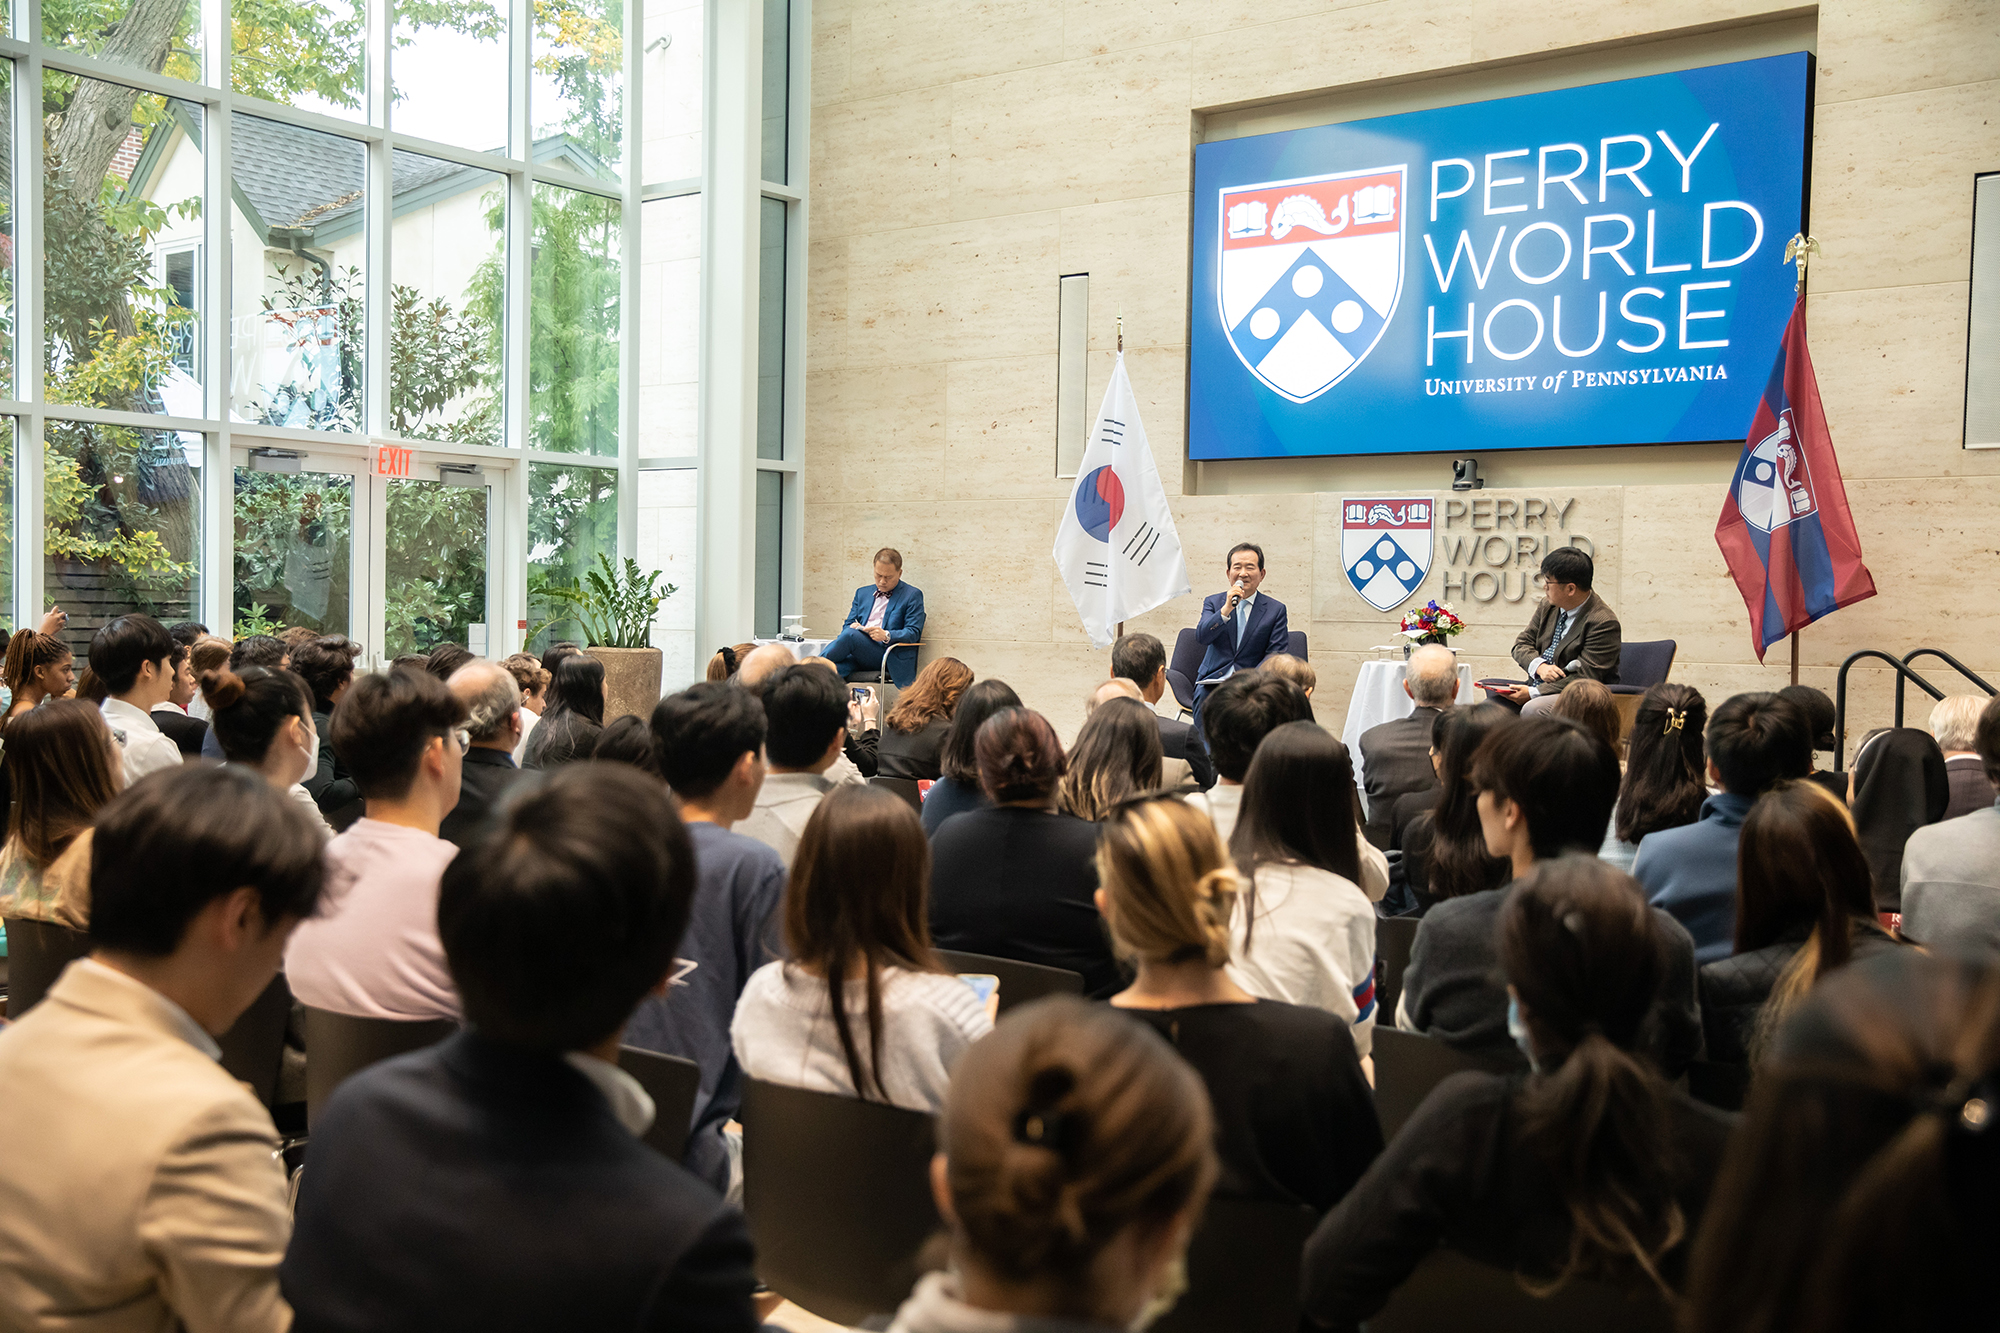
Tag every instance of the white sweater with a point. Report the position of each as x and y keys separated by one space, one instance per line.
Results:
x=1314 y=945
x=783 y=1032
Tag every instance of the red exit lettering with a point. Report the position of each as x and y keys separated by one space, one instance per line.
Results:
x=391 y=461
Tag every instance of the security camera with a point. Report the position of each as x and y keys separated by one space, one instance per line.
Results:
x=1465 y=475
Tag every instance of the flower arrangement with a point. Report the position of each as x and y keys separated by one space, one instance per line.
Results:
x=1434 y=622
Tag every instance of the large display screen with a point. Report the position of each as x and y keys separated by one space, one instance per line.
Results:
x=1599 y=265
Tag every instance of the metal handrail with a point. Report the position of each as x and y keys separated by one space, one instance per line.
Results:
x=1945 y=657
x=1840 y=696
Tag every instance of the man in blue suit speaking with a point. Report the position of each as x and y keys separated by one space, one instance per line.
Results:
x=885 y=612
x=1238 y=627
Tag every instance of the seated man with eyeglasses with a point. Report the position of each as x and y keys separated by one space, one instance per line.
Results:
x=1572 y=636
x=373 y=951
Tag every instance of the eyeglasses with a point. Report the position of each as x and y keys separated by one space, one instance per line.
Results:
x=462 y=736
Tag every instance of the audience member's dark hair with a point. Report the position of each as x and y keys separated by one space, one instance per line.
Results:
x=262 y=650
x=1986 y=740
x=446 y=658
x=1240 y=712
x=1138 y=658
x=1568 y=564
x=385 y=722
x=63 y=769
x=411 y=661
x=28 y=651
x=90 y=687
x=1239 y=548
x=578 y=687
x=1564 y=779
x=933 y=694
x=1756 y=739
x=1900 y=785
x=1857 y=1194
x=528 y=673
x=858 y=894
x=1298 y=809
x=325 y=664
x=629 y=740
x=187 y=633
x=806 y=709
x=177 y=840
x=703 y=732
x=1583 y=951
x=294 y=635
x=960 y=762
x=1592 y=706
x=1819 y=714
x=122 y=648
x=1116 y=755
x=1459 y=861
x=556 y=652
x=247 y=709
x=1020 y=758
x=1665 y=782
x=568 y=913
x=890 y=554
x=208 y=655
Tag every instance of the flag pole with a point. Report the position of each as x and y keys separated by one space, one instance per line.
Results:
x=1121 y=333
x=1800 y=250
x=1795 y=657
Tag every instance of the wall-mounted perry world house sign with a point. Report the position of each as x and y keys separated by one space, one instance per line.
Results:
x=1598 y=265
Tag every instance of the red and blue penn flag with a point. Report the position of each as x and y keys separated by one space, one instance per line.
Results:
x=1786 y=530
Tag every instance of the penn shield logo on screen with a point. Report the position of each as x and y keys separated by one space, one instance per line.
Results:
x=1311 y=270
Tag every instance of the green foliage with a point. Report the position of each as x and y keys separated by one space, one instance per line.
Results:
x=615 y=609
x=436 y=357
x=254 y=622
x=277 y=513
x=572 y=517
x=436 y=576
x=582 y=48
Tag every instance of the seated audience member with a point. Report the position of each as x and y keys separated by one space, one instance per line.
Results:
x=913 y=733
x=761 y=663
x=1304 y=932
x=1900 y=786
x=958 y=790
x=492 y=703
x=1116 y=756
x=39 y=666
x=1074 y=1156
x=1820 y=718
x=1665 y=778
x=1753 y=742
x=1395 y=755
x=1951 y=870
x=629 y=740
x=1295 y=1119
x=1594 y=708
x=1546 y=787
x=1803 y=908
x=374 y=951
x=294 y=635
x=1142 y=659
x=262 y=650
x=497 y=1180
x=1444 y=848
x=527 y=671
x=171 y=714
x=64 y=768
x=327 y=667
x=264 y=719
x=857 y=926
x=722 y=666
x=1590 y=1166
x=412 y=661
x=1016 y=880
x=445 y=659
x=187 y=633
x=136 y=660
x=1858 y=1192
x=862 y=721
x=1955 y=725
x=569 y=728
x=1295 y=669
x=141 y=1186
x=711 y=743
x=805 y=715
x=204 y=656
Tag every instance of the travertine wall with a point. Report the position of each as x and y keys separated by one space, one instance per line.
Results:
x=966 y=154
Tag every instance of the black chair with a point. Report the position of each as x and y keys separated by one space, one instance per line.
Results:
x=1182 y=669
x=904 y=787
x=1295 y=643
x=1019 y=982
x=1394 y=937
x=338 y=1045
x=672 y=1084
x=1643 y=665
x=879 y=676
x=1408 y=1065
x=37 y=953
x=1243 y=1269
x=1450 y=1293
x=253 y=1050
x=838 y=1196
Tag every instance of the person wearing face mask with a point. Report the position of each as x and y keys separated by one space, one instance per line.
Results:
x=263 y=720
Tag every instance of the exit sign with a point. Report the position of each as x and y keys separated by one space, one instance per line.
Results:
x=392 y=461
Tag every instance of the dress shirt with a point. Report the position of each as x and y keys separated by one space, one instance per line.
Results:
x=878 y=610
x=144 y=747
x=373 y=951
x=1244 y=610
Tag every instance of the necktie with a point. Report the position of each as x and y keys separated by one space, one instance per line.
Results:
x=1562 y=628
x=1242 y=620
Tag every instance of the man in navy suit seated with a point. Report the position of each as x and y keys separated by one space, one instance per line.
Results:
x=884 y=612
x=1238 y=627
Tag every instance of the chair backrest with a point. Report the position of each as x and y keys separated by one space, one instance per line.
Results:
x=837 y=1193
x=904 y=787
x=1407 y=1066
x=1243 y=1269
x=338 y=1045
x=1295 y=643
x=1019 y=982
x=37 y=952
x=1183 y=666
x=1646 y=663
x=672 y=1084
x=1445 y=1290
x=253 y=1050
x=1394 y=937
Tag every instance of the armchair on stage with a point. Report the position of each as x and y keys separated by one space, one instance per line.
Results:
x=863 y=661
x=1185 y=665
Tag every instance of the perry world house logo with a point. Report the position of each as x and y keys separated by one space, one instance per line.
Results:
x=1773 y=484
x=1310 y=272
x=1385 y=546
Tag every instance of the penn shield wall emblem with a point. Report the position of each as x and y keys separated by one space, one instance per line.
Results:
x=1385 y=546
x=1311 y=270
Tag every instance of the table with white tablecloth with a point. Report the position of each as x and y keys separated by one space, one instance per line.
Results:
x=1379 y=697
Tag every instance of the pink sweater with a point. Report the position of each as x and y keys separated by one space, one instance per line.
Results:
x=373 y=950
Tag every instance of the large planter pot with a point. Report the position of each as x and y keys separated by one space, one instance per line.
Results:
x=631 y=680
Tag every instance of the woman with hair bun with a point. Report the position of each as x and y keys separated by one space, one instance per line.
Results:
x=263 y=719
x=1295 y=1119
x=1074 y=1157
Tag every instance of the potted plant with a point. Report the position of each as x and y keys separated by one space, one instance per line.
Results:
x=616 y=612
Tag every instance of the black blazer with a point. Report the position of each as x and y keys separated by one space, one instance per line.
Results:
x=912 y=754
x=1018 y=884
x=184 y=731
x=1396 y=760
x=1179 y=740
x=479 y=1187
x=488 y=775
x=332 y=788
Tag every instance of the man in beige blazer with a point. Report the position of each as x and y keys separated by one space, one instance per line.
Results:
x=138 y=1186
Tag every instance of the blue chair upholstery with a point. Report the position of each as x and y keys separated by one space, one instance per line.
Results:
x=1643 y=665
x=1295 y=644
